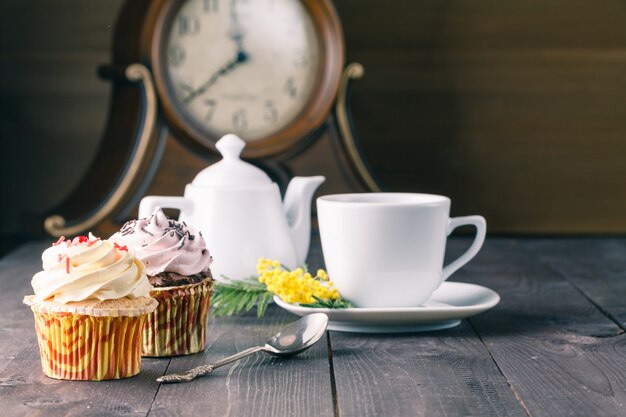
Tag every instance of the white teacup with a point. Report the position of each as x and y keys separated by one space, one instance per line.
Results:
x=387 y=249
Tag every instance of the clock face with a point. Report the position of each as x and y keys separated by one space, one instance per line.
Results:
x=242 y=66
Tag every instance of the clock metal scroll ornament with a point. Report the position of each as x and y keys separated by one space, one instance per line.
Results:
x=271 y=71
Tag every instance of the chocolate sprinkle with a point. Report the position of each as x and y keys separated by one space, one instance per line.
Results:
x=179 y=229
x=143 y=229
x=174 y=228
x=128 y=228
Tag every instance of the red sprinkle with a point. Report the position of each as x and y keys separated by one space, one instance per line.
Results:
x=58 y=242
x=60 y=258
x=118 y=247
x=67 y=264
x=91 y=242
x=79 y=239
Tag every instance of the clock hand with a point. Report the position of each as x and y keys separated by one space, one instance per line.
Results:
x=236 y=33
x=239 y=59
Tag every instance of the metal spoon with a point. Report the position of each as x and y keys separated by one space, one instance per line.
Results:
x=293 y=339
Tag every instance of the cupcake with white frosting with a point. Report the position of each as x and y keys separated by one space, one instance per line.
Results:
x=90 y=304
x=177 y=264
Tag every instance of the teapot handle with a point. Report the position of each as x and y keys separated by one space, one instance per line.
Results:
x=148 y=204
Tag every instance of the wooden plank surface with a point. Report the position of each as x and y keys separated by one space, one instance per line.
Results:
x=441 y=373
x=258 y=386
x=16 y=320
x=550 y=348
x=559 y=352
x=595 y=266
x=24 y=390
x=444 y=373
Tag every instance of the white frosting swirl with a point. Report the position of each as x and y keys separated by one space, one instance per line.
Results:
x=86 y=268
x=166 y=245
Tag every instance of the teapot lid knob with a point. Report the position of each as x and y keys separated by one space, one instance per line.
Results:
x=231 y=171
x=230 y=146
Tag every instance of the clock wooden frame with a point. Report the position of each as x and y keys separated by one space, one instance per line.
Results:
x=319 y=104
x=142 y=113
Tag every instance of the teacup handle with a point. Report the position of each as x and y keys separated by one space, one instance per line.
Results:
x=481 y=230
x=148 y=204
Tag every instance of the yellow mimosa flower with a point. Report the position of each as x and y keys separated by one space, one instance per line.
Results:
x=295 y=286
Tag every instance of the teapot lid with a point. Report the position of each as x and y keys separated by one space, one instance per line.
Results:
x=231 y=170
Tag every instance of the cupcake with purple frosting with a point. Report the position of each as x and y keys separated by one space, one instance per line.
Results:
x=177 y=264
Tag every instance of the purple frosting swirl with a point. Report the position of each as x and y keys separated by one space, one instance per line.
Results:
x=166 y=245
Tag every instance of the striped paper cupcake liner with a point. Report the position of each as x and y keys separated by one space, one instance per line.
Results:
x=178 y=325
x=83 y=347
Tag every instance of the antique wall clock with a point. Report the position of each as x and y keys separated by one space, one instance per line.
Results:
x=271 y=71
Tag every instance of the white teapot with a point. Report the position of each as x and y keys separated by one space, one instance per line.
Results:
x=238 y=209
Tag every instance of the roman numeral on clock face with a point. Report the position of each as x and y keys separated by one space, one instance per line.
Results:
x=176 y=55
x=240 y=120
x=290 y=87
x=188 y=25
x=211 y=6
x=210 y=109
x=270 y=112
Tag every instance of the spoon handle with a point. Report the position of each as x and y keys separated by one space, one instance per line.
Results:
x=192 y=374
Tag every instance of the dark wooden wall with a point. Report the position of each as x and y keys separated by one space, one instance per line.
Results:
x=52 y=105
x=515 y=109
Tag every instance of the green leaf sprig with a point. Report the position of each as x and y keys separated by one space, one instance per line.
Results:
x=235 y=297
x=238 y=296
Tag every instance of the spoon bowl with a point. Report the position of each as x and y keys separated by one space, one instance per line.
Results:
x=298 y=336
x=292 y=340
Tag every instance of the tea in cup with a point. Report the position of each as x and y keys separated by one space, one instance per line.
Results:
x=387 y=249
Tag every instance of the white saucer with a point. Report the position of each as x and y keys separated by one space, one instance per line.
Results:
x=450 y=303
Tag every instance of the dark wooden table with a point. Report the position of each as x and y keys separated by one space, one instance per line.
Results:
x=554 y=346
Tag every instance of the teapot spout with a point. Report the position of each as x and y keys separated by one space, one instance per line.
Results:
x=297 y=205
